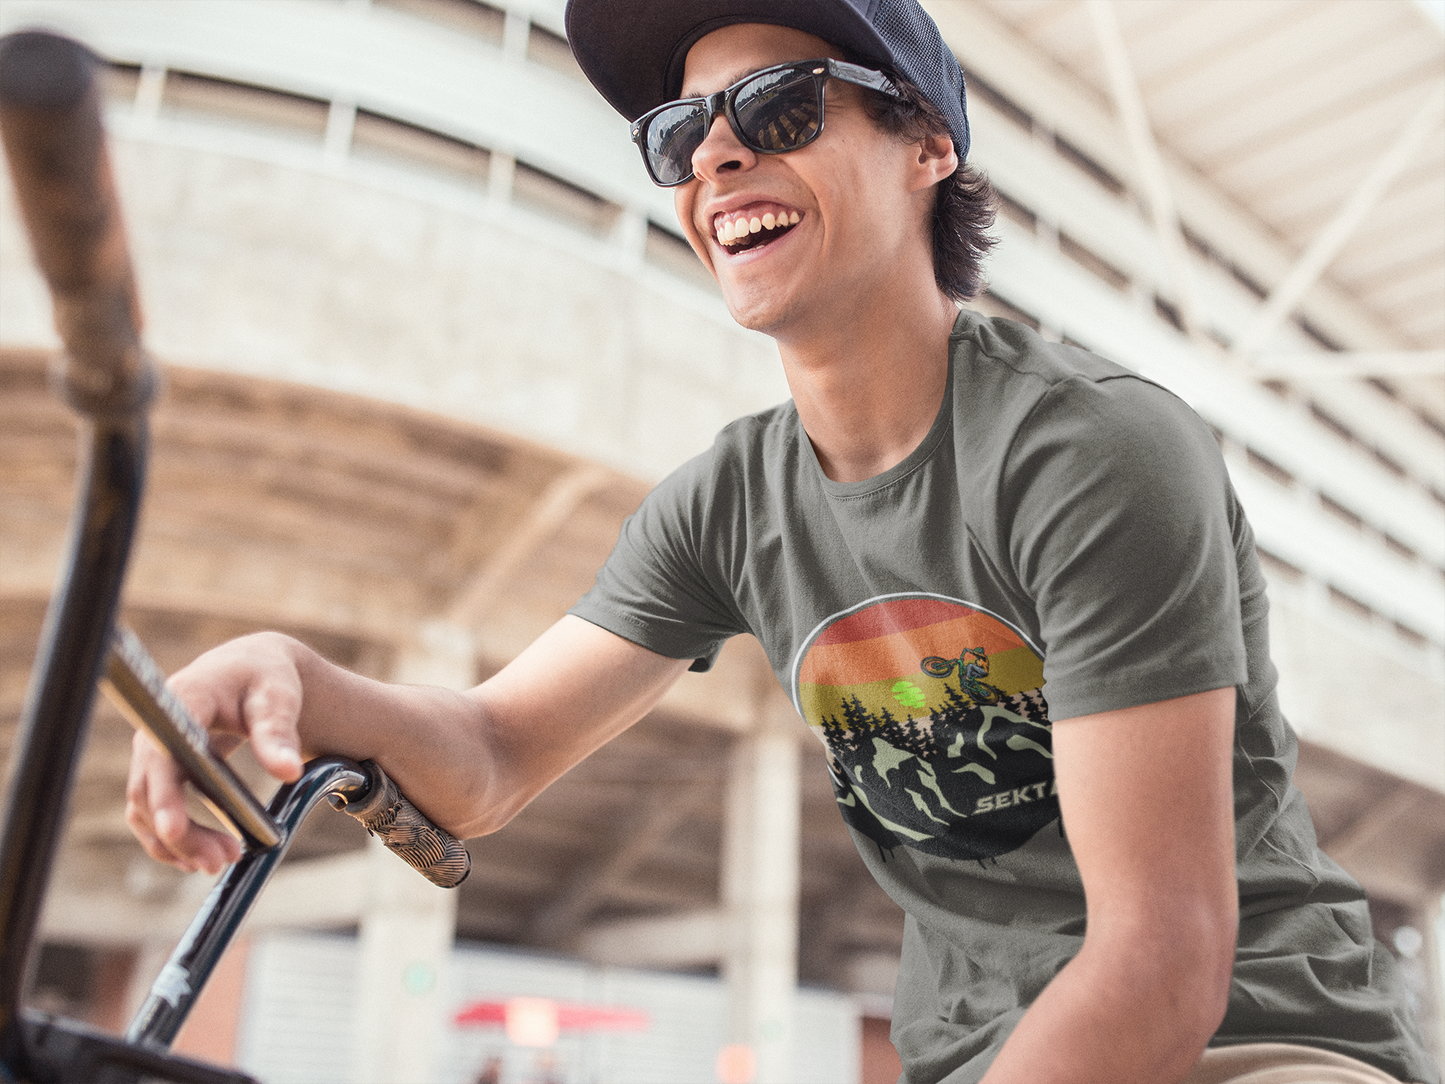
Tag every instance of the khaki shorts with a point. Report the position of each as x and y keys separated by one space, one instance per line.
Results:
x=1282 y=1063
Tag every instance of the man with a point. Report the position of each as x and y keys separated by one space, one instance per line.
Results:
x=949 y=516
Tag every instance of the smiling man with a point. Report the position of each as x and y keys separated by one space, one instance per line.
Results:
x=1005 y=581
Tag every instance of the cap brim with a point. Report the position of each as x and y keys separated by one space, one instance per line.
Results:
x=633 y=51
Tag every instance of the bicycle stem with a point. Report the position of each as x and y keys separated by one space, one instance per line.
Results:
x=179 y=983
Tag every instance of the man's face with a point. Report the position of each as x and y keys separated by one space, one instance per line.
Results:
x=857 y=205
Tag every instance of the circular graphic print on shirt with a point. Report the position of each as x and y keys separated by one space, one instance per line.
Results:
x=937 y=732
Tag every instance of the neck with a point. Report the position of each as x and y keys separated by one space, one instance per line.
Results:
x=868 y=390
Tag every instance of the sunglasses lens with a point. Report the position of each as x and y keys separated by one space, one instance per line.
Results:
x=779 y=110
x=670 y=140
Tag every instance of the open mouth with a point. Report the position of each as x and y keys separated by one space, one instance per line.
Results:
x=748 y=231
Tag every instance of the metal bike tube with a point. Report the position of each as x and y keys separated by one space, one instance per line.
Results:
x=165 y=1009
x=50 y=124
x=72 y=649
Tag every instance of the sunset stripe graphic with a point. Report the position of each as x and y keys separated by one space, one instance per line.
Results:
x=875 y=653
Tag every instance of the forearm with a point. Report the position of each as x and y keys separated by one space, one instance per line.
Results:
x=432 y=741
x=1139 y=1010
x=469 y=760
x=472 y=760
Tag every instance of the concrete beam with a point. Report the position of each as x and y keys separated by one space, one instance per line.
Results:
x=561 y=920
x=553 y=508
x=685 y=939
x=407 y=928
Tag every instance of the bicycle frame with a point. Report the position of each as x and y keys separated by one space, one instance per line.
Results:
x=51 y=125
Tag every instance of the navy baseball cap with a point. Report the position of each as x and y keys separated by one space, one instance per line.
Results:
x=633 y=51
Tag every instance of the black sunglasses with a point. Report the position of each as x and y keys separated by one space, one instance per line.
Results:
x=772 y=111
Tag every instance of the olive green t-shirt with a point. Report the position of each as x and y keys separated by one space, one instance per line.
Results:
x=1065 y=541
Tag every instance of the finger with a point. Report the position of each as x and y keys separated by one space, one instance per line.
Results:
x=200 y=848
x=156 y=812
x=271 y=710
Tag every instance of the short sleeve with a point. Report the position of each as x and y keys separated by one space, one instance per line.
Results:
x=1119 y=519
x=654 y=588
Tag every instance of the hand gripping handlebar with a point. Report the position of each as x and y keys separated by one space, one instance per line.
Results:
x=134 y=683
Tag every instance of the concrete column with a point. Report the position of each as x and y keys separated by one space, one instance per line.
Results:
x=340 y=124
x=407 y=924
x=760 y=894
x=406 y=940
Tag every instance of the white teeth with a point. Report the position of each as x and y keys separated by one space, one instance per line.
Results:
x=729 y=231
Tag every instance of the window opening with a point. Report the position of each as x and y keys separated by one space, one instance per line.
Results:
x=119 y=81
x=470 y=17
x=552 y=51
x=1016 y=212
x=993 y=305
x=980 y=90
x=549 y=194
x=249 y=105
x=379 y=137
x=1340 y=512
x=1277 y=567
x=1089 y=165
x=1092 y=262
x=1269 y=468
x=1168 y=312
x=1349 y=602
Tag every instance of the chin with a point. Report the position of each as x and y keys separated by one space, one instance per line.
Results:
x=764 y=314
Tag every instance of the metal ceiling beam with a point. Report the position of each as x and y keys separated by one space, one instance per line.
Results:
x=1163 y=212
x=1357 y=364
x=1288 y=293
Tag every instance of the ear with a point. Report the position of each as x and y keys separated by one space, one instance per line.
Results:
x=936 y=160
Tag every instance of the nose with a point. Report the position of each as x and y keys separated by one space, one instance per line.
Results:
x=721 y=151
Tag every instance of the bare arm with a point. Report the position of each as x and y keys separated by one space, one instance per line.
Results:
x=1147 y=801
x=469 y=760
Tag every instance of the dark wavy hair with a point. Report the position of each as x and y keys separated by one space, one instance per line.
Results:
x=963 y=209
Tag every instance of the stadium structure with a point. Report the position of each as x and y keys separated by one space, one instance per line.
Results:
x=429 y=335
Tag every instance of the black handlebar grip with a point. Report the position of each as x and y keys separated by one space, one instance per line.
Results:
x=51 y=127
x=406 y=831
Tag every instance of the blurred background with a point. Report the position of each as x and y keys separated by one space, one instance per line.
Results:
x=429 y=335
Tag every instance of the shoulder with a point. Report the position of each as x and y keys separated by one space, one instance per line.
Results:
x=991 y=352
x=1051 y=394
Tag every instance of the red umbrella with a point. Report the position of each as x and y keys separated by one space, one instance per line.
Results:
x=569 y=1016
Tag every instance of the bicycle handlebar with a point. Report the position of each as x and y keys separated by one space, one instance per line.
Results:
x=405 y=830
x=50 y=114
x=50 y=126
